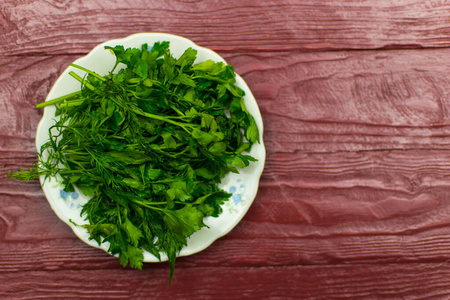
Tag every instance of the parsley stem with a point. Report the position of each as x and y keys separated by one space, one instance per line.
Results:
x=152 y=116
x=74 y=102
x=88 y=71
x=84 y=82
x=58 y=99
x=148 y=206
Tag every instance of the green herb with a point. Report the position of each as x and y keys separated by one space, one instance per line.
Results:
x=148 y=143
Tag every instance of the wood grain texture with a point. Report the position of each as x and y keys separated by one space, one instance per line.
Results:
x=397 y=281
x=354 y=199
x=337 y=189
x=61 y=27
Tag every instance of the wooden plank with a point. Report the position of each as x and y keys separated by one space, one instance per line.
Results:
x=324 y=197
x=327 y=102
x=43 y=27
x=24 y=82
x=390 y=281
x=324 y=218
x=59 y=254
x=348 y=179
x=351 y=101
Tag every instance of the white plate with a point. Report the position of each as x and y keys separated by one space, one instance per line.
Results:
x=243 y=186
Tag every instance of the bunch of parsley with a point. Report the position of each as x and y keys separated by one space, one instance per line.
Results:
x=148 y=143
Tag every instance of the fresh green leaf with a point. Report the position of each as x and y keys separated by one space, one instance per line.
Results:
x=141 y=69
x=134 y=234
x=252 y=132
x=184 y=222
x=187 y=58
x=133 y=183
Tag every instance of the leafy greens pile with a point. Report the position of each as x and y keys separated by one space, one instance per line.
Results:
x=148 y=143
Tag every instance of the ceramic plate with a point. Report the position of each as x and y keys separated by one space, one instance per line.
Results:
x=243 y=186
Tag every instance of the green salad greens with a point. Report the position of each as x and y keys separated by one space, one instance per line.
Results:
x=148 y=143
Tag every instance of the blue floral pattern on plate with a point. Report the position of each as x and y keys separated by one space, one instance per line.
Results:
x=237 y=198
x=68 y=197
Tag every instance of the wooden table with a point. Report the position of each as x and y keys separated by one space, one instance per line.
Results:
x=354 y=201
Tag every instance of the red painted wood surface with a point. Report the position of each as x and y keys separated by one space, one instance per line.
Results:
x=354 y=201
